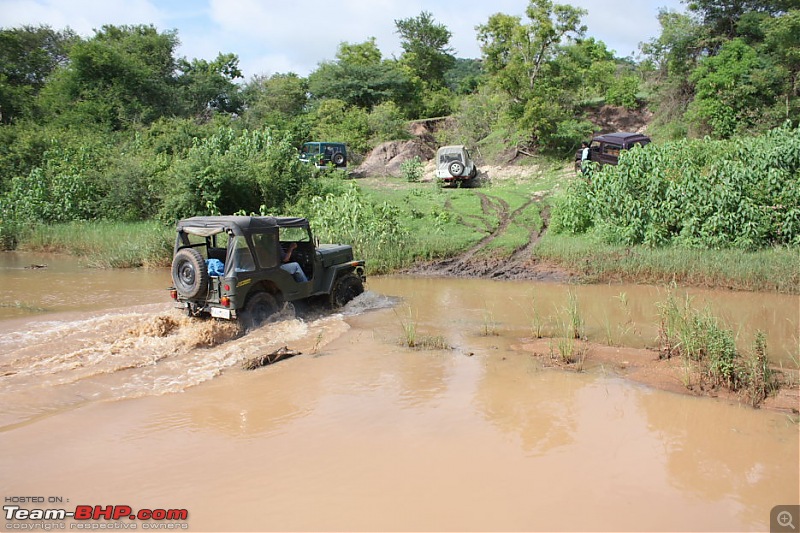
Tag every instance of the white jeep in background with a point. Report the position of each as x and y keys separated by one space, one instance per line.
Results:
x=454 y=165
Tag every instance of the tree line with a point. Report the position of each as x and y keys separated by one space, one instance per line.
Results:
x=116 y=126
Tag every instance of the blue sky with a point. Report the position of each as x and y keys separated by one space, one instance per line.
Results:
x=272 y=36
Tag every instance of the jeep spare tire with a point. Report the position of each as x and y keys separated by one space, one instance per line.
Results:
x=345 y=289
x=189 y=273
x=455 y=168
x=338 y=159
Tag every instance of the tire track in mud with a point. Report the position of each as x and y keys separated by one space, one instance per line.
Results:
x=478 y=262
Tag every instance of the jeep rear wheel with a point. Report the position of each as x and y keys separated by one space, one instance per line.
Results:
x=345 y=289
x=189 y=273
x=259 y=307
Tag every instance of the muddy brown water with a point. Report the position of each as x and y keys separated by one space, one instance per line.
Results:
x=110 y=397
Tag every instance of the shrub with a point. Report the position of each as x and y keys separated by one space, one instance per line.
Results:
x=741 y=193
x=230 y=172
x=412 y=169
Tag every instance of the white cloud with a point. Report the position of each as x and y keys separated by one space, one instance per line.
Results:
x=272 y=36
x=82 y=16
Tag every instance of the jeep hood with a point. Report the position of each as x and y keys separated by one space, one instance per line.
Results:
x=335 y=254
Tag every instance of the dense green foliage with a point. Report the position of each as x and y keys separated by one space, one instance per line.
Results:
x=116 y=127
x=725 y=67
x=742 y=193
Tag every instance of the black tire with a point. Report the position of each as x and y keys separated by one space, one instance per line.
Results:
x=258 y=308
x=345 y=288
x=455 y=168
x=189 y=273
x=338 y=159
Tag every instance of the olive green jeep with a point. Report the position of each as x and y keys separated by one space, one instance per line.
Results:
x=246 y=267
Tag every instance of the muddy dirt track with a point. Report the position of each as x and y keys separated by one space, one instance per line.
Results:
x=481 y=262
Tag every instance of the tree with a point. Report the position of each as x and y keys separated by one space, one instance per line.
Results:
x=274 y=99
x=593 y=65
x=362 y=85
x=334 y=121
x=123 y=75
x=28 y=55
x=464 y=76
x=210 y=85
x=721 y=17
x=734 y=90
x=426 y=48
x=782 y=38
x=364 y=54
x=674 y=55
x=515 y=53
x=522 y=61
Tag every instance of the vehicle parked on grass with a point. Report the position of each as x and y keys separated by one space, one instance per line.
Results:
x=323 y=154
x=454 y=165
x=605 y=149
x=231 y=267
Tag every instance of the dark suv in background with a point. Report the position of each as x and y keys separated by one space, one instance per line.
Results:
x=323 y=154
x=605 y=149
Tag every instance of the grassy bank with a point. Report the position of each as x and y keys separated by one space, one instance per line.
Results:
x=773 y=270
x=105 y=244
x=436 y=223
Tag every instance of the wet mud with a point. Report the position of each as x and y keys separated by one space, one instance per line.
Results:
x=477 y=262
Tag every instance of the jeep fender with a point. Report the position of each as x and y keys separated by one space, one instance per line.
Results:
x=264 y=286
x=332 y=273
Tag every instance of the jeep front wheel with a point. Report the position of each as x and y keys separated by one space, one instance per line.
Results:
x=259 y=307
x=345 y=289
x=189 y=273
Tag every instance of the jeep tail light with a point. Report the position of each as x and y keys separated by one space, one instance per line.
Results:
x=225 y=301
x=227 y=287
x=173 y=293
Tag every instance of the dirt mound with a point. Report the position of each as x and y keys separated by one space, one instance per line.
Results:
x=386 y=158
x=609 y=119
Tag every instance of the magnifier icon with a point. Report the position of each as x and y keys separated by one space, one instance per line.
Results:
x=785 y=519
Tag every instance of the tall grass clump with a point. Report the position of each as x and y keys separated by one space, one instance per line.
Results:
x=374 y=230
x=412 y=339
x=758 y=379
x=768 y=269
x=709 y=350
x=104 y=244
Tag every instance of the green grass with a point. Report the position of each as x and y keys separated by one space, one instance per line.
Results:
x=444 y=222
x=106 y=244
x=773 y=270
x=441 y=222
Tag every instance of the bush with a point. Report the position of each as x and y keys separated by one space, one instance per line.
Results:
x=622 y=92
x=412 y=169
x=741 y=193
x=374 y=230
x=231 y=172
